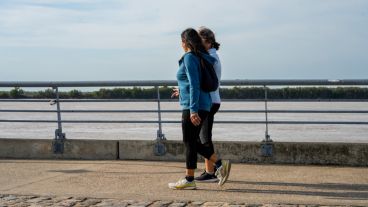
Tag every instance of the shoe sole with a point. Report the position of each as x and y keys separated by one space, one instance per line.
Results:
x=223 y=181
x=215 y=180
x=185 y=188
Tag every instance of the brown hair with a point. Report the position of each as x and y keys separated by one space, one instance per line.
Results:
x=209 y=37
x=192 y=40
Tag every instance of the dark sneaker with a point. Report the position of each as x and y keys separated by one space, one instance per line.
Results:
x=205 y=177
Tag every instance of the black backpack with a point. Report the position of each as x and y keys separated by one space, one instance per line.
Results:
x=209 y=80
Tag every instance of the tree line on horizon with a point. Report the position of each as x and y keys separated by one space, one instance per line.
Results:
x=226 y=93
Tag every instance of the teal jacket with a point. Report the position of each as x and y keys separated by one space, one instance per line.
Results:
x=191 y=96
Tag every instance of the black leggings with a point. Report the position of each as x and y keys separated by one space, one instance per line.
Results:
x=206 y=130
x=192 y=141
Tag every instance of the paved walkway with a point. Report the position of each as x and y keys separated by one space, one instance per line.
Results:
x=141 y=183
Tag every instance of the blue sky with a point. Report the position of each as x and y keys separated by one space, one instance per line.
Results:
x=46 y=40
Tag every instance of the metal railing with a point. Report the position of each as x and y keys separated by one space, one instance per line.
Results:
x=60 y=135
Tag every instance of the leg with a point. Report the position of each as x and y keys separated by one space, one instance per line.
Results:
x=190 y=137
x=210 y=168
x=206 y=134
x=189 y=172
x=207 y=150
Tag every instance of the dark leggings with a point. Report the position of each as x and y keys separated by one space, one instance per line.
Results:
x=192 y=141
x=206 y=130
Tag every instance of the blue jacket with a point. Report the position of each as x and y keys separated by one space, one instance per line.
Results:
x=191 y=95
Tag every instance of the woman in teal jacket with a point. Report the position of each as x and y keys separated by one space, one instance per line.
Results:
x=196 y=105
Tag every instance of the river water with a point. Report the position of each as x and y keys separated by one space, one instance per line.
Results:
x=223 y=132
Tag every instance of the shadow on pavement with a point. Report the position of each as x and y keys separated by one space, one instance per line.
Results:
x=71 y=171
x=345 y=191
x=323 y=186
x=113 y=172
x=88 y=162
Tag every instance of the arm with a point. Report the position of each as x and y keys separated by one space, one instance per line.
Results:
x=192 y=71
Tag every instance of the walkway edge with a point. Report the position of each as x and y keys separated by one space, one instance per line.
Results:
x=345 y=154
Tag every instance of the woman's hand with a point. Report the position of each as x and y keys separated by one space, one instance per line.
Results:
x=175 y=93
x=195 y=119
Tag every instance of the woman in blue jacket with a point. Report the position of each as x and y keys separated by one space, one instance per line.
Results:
x=196 y=105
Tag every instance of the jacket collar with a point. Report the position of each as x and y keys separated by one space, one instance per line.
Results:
x=212 y=51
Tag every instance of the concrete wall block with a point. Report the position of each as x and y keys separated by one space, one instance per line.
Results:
x=73 y=149
x=25 y=149
x=321 y=153
x=144 y=150
x=239 y=151
x=90 y=149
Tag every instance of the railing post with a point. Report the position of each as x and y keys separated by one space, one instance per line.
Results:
x=58 y=143
x=267 y=136
x=267 y=143
x=160 y=148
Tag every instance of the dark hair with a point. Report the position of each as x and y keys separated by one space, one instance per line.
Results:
x=193 y=41
x=209 y=37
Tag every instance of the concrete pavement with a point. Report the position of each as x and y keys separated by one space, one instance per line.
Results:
x=145 y=181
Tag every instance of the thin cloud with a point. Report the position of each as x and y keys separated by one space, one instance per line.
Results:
x=266 y=38
x=45 y=24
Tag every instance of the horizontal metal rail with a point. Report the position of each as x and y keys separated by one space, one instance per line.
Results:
x=179 y=111
x=238 y=82
x=176 y=100
x=174 y=122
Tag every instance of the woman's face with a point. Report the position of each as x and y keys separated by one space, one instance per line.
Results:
x=206 y=45
x=184 y=46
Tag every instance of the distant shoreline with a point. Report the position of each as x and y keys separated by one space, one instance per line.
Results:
x=226 y=93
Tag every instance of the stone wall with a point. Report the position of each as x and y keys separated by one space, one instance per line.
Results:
x=346 y=154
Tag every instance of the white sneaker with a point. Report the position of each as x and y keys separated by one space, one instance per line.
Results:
x=223 y=172
x=183 y=184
